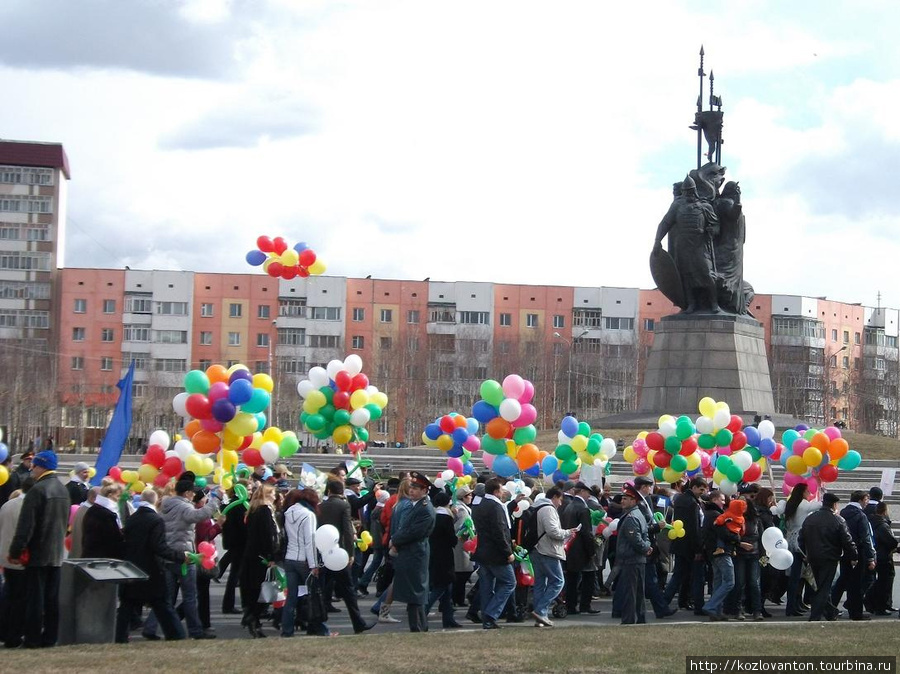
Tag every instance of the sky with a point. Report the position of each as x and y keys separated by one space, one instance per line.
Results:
x=515 y=142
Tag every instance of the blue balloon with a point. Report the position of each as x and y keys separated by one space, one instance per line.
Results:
x=752 y=433
x=455 y=451
x=460 y=435
x=505 y=466
x=569 y=426
x=256 y=257
x=549 y=464
x=433 y=431
x=4 y=452
x=472 y=425
x=767 y=446
x=559 y=475
x=534 y=471
x=468 y=468
x=483 y=411
x=300 y=247
x=240 y=391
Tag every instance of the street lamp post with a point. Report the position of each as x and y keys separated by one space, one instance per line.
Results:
x=570 y=344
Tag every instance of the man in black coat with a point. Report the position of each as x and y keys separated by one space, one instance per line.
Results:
x=409 y=548
x=689 y=574
x=581 y=554
x=234 y=540
x=101 y=536
x=144 y=546
x=854 y=578
x=494 y=553
x=336 y=511
x=826 y=540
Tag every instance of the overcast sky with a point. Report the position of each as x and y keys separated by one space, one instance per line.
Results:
x=518 y=142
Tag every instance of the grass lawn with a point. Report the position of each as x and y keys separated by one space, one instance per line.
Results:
x=639 y=648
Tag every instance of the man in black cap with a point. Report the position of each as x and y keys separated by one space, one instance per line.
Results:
x=580 y=558
x=826 y=540
x=410 y=549
x=644 y=488
x=632 y=550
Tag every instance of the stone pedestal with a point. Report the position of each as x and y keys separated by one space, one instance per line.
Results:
x=693 y=356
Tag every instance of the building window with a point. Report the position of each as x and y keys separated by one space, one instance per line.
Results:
x=505 y=320
x=325 y=313
x=587 y=318
x=325 y=341
x=649 y=324
x=386 y=343
x=503 y=347
x=262 y=339
x=292 y=336
x=77 y=363
x=293 y=308
x=109 y=306
x=170 y=365
x=615 y=323
x=205 y=338
x=107 y=335
x=235 y=310
x=204 y=364
x=846 y=362
x=234 y=338
x=358 y=342
x=832 y=361
x=138 y=304
x=559 y=321
x=412 y=316
x=106 y=364
x=172 y=308
x=263 y=311
x=834 y=334
x=475 y=317
x=206 y=309
x=412 y=343
x=359 y=315
x=170 y=336
x=442 y=316
x=387 y=316
x=262 y=366
x=856 y=338
x=846 y=336
x=80 y=306
x=78 y=334
x=531 y=321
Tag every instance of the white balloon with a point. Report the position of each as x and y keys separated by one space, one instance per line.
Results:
x=172 y=454
x=728 y=487
x=742 y=459
x=510 y=486
x=179 y=402
x=353 y=364
x=360 y=417
x=526 y=491
x=781 y=559
x=333 y=367
x=447 y=475
x=305 y=387
x=318 y=376
x=160 y=438
x=766 y=429
x=704 y=425
x=562 y=438
x=510 y=409
x=721 y=419
x=371 y=389
x=521 y=507
x=184 y=448
x=269 y=451
x=327 y=537
x=439 y=483
x=336 y=559
x=667 y=429
x=770 y=537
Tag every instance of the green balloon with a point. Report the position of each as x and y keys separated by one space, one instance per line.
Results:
x=723 y=463
x=259 y=400
x=683 y=419
x=466 y=455
x=492 y=392
x=593 y=445
x=525 y=434
x=341 y=417
x=569 y=467
x=754 y=452
x=724 y=437
x=684 y=429
x=362 y=434
x=706 y=441
x=324 y=434
x=657 y=474
x=200 y=482
x=584 y=428
x=328 y=392
x=678 y=464
x=596 y=436
x=315 y=422
x=196 y=381
x=493 y=446
x=327 y=411
x=374 y=411
x=850 y=461
x=734 y=473
x=563 y=452
x=673 y=444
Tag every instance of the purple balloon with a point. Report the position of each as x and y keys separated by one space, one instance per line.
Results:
x=223 y=410
x=240 y=374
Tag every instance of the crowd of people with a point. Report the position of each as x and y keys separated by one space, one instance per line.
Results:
x=498 y=551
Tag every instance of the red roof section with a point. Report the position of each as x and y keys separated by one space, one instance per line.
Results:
x=44 y=155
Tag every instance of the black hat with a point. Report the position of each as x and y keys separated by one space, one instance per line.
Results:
x=420 y=480
x=830 y=499
x=875 y=493
x=579 y=486
x=185 y=482
x=641 y=481
x=352 y=481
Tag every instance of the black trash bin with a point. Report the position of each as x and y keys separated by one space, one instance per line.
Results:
x=87 y=598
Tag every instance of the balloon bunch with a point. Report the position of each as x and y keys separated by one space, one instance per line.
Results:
x=279 y=261
x=812 y=456
x=578 y=449
x=328 y=544
x=508 y=417
x=339 y=402
x=364 y=541
x=673 y=530
x=205 y=556
x=447 y=478
x=777 y=549
x=453 y=433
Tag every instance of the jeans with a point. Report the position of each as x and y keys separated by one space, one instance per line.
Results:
x=497 y=583
x=188 y=585
x=296 y=572
x=686 y=568
x=652 y=590
x=746 y=585
x=41 y=605
x=548 y=581
x=723 y=582
x=444 y=595
x=161 y=610
x=366 y=576
x=795 y=585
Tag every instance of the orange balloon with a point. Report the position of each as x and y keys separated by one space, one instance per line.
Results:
x=460 y=421
x=216 y=373
x=206 y=442
x=527 y=456
x=498 y=428
x=838 y=448
x=821 y=442
x=193 y=428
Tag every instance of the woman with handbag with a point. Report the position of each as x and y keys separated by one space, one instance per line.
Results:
x=263 y=543
x=793 y=512
x=301 y=564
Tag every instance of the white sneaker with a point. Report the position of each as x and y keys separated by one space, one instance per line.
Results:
x=384 y=616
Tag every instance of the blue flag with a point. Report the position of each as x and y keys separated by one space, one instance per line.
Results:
x=119 y=428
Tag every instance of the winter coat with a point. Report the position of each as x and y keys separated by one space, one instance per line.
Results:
x=885 y=541
x=181 y=518
x=462 y=560
x=262 y=547
x=42 y=524
x=78 y=491
x=582 y=552
x=753 y=528
x=633 y=540
x=707 y=535
x=102 y=537
x=300 y=526
x=552 y=536
x=441 y=544
x=860 y=531
x=825 y=538
x=494 y=535
x=144 y=545
x=410 y=535
x=9 y=516
x=336 y=512
x=234 y=531
x=686 y=508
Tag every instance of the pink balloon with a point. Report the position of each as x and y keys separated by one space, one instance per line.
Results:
x=790 y=479
x=640 y=449
x=488 y=460
x=217 y=391
x=799 y=446
x=641 y=466
x=472 y=443
x=704 y=459
x=513 y=386
x=455 y=465
x=785 y=490
x=832 y=432
x=206 y=548
x=211 y=425
x=72 y=510
x=528 y=393
x=527 y=416
x=813 y=486
x=724 y=451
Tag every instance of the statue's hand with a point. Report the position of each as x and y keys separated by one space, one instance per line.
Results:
x=657 y=246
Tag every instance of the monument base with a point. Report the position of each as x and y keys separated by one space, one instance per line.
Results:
x=720 y=356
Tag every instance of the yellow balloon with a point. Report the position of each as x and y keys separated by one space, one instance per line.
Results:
x=147 y=472
x=137 y=487
x=266 y=263
x=762 y=463
x=428 y=442
x=91 y=472
x=273 y=434
x=177 y=437
x=231 y=440
x=511 y=448
x=693 y=461
x=643 y=434
x=227 y=482
x=579 y=443
x=314 y=402
x=670 y=475
x=234 y=368
x=193 y=463
x=795 y=465
x=707 y=407
x=206 y=465
x=4 y=475
x=379 y=399
x=444 y=443
x=629 y=454
x=812 y=456
x=228 y=459
x=257 y=441
x=317 y=267
x=719 y=477
x=665 y=418
x=359 y=399
x=290 y=258
x=129 y=476
x=242 y=424
x=264 y=381
x=342 y=434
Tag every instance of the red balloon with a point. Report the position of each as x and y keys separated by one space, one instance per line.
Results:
x=161 y=480
x=341 y=400
x=708 y=471
x=275 y=269
x=208 y=563
x=303 y=273
x=688 y=446
x=279 y=245
x=155 y=456
x=342 y=380
x=779 y=448
x=738 y=441
x=290 y=272
x=735 y=424
x=360 y=381
x=655 y=441
x=172 y=466
x=447 y=424
x=307 y=257
x=197 y=405
x=264 y=243
x=828 y=473
x=248 y=440
x=662 y=459
x=752 y=473
x=252 y=457
x=115 y=473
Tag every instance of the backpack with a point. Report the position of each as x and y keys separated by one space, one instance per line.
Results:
x=529 y=523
